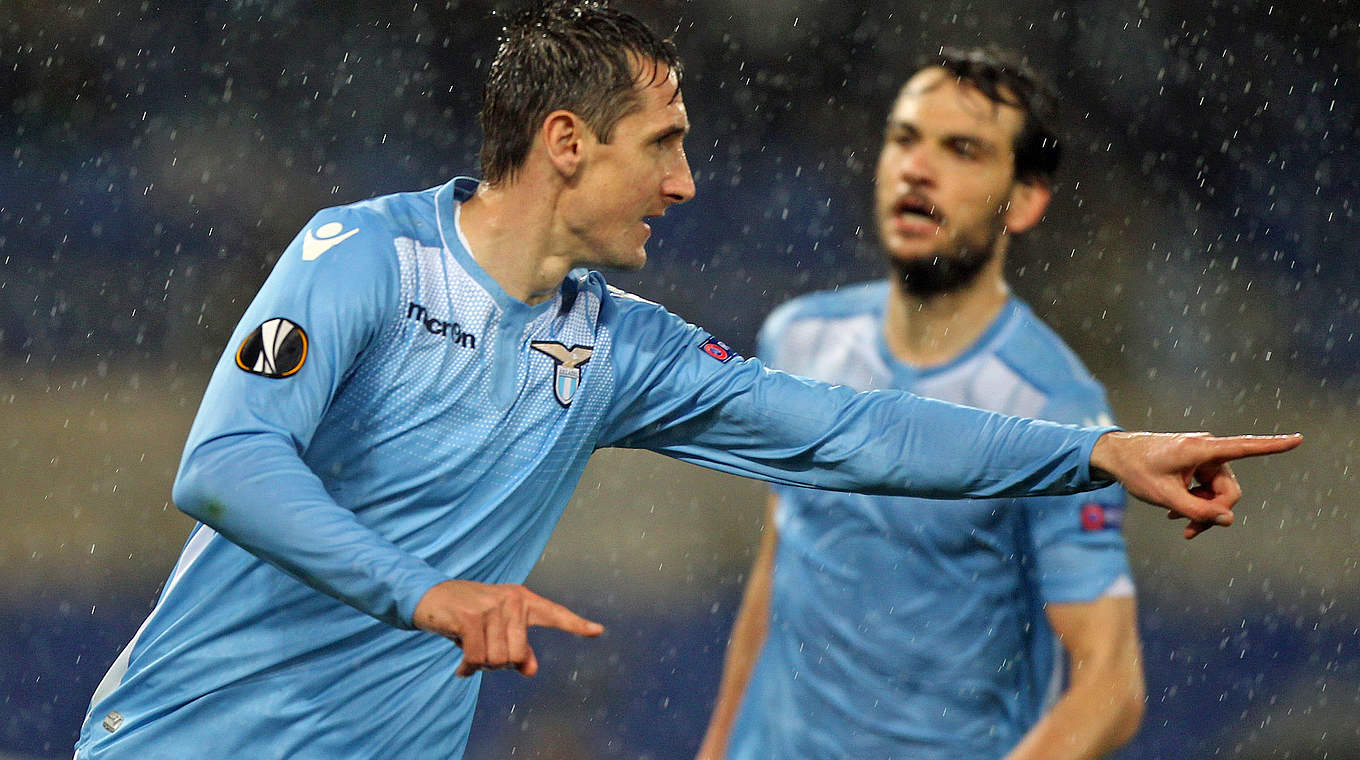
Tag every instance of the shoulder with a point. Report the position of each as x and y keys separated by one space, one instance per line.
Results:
x=614 y=309
x=586 y=293
x=851 y=301
x=362 y=242
x=617 y=304
x=1035 y=352
x=646 y=328
x=398 y=215
x=823 y=312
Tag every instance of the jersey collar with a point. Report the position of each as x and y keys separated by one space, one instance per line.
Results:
x=448 y=205
x=995 y=333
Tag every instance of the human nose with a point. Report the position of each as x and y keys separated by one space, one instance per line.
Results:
x=915 y=165
x=679 y=183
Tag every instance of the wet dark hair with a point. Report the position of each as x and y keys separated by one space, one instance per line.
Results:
x=1004 y=79
x=575 y=55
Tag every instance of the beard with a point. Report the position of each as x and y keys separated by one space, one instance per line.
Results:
x=950 y=271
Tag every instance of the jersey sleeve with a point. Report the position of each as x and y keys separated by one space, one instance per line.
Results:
x=243 y=471
x=1077 y=542
x=683 y=393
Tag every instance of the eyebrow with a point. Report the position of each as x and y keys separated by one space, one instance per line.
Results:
x=671 y=131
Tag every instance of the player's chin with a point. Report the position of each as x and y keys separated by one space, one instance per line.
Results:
x=631 y=251
x=640 y=261
x=631 y=260
x=619 y=263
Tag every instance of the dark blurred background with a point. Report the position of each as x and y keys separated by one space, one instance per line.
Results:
x=1200 y=255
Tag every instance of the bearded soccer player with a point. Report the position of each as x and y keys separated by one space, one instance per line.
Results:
x=878 y=626
x=387 y=442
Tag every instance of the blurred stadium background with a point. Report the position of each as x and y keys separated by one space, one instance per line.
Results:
x=156 y=157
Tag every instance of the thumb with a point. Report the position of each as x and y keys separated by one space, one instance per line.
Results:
x=1200 y=505
x=529 y=668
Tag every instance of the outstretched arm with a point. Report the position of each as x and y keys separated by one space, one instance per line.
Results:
x=681 y=393
x=1103 y=703
x=1187 y=473
x=743 y=647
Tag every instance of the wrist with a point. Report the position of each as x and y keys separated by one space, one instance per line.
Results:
x=1105 y=455
x=430 y=614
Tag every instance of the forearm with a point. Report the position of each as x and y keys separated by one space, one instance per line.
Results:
x=1104 y=702
x=1086 y=723
x=787 y=430
x=743 y=647
x=257 y=492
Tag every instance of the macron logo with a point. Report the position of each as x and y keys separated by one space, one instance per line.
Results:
x=324 y=238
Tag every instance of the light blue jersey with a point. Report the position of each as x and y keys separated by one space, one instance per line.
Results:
x=387 y=418
x=902 y=627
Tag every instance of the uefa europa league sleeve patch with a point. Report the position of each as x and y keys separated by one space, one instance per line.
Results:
x=275 y=349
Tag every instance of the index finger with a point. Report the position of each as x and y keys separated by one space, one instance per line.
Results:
x=543 y=612
x=1239 y=446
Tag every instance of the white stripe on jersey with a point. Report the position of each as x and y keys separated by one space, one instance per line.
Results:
x=1121 y=587
x=195 y=546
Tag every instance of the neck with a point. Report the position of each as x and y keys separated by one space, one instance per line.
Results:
x=509 y=229
x=931 y=331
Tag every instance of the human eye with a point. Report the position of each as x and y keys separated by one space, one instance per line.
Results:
x=966 y=148
x=900 y=136
x=671 y=139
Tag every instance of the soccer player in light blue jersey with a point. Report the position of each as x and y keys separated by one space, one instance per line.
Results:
x=404 y=409
x=886 y=627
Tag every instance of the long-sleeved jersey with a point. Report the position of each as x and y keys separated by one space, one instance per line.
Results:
x=387 y=417
x=904 y=627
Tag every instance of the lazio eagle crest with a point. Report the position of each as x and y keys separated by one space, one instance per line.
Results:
x=569 y=360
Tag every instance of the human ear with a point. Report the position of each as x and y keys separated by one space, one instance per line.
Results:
x=563 y=135
x=1029 y=199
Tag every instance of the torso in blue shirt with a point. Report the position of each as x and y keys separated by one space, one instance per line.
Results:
x=386 y=417
x=900 y=630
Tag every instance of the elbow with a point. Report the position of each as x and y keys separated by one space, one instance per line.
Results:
x=195 y=496
x=220 y=474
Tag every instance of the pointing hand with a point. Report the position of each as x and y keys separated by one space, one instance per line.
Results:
x=490 y=623
x=1187 y=473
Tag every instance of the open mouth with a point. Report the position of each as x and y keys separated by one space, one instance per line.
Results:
x=916 y=208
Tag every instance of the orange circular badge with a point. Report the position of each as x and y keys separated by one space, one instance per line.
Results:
x=276 y=349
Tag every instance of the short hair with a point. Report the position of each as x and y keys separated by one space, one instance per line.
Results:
x=1007 y=80
x=576 y=55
